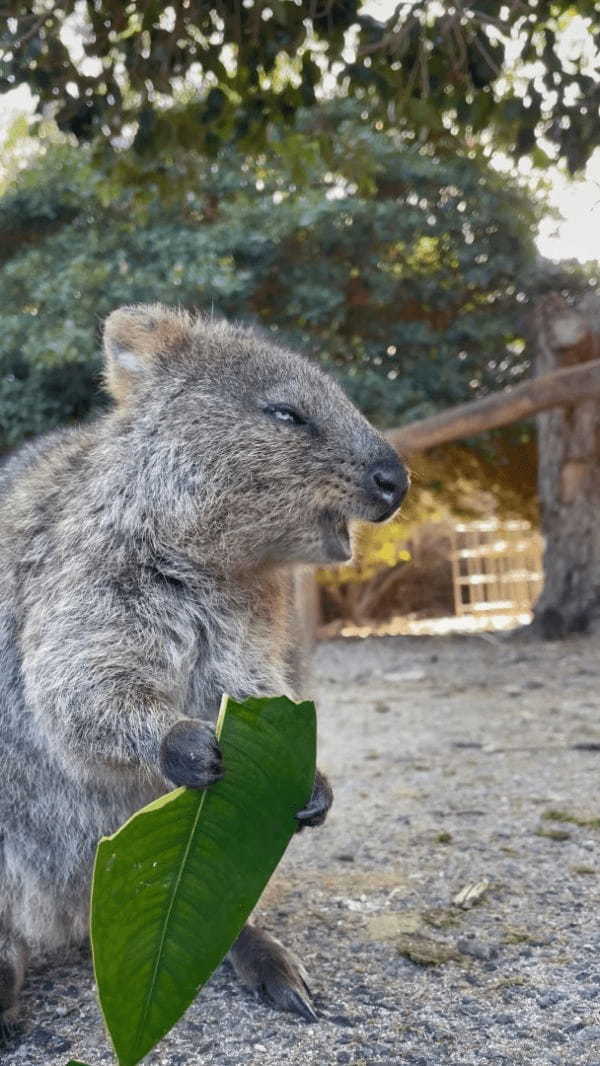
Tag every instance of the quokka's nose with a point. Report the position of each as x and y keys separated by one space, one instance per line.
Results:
x=387 y=484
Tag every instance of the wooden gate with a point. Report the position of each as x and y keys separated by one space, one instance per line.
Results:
x=496 y=567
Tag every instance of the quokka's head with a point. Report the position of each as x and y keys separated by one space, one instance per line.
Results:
x=272 y=458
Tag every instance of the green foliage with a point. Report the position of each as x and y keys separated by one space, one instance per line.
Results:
x=174 y=886
x=255 y=63
x=409 y=282
x=245 y=69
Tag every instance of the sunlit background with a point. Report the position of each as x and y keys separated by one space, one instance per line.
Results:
x=569 y=229
x=576 y=233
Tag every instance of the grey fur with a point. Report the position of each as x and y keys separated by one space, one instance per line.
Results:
x=148 y=562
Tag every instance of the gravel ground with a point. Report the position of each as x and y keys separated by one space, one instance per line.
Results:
x=456 y=761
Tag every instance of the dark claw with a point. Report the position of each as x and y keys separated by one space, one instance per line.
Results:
x=292 y=1000
x=315 y=812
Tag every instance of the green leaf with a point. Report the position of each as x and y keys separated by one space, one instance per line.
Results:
x=74 y=1062
x=174 y=886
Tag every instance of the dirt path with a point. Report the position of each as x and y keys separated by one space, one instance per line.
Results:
x=456 y=761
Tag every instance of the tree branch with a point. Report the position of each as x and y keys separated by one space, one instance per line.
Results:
x=561 y=388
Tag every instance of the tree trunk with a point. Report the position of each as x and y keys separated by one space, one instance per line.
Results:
x=569 y=474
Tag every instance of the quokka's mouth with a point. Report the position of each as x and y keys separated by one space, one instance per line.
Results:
x=387 y=514
x=336 y=537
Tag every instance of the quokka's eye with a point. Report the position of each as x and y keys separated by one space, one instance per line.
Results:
x=282 y=413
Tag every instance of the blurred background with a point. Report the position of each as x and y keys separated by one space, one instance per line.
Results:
x=409 y=193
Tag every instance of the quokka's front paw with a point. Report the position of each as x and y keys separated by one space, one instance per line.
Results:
x=318 y=805
x=190 y=756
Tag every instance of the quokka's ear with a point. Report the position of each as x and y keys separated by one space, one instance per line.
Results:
x=135 y=339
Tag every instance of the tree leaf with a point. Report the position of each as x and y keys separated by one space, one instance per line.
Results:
x=174 y=886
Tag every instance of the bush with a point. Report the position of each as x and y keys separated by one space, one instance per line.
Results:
x=404 y=271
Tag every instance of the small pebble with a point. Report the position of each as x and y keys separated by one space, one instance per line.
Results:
x=477 y=949
x=550 y=999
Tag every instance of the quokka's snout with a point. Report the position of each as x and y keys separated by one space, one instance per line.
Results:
x=386 y=484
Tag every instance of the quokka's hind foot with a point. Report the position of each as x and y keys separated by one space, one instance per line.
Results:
x=272 y=971
x=13 y=960
x=10 y=1033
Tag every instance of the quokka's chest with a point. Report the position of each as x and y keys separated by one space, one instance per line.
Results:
x=241 y=653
